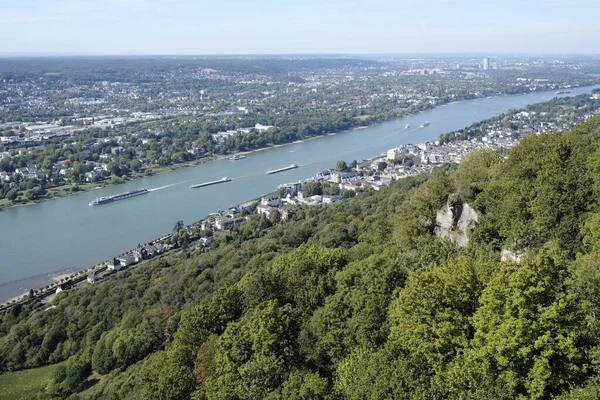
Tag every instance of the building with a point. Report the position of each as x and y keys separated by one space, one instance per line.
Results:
x=391 y=154
x=207 y=225
x=126 y=260
x=265 y=209
x=91 y=278
x=113 y=265
x=292 y=189
x=286 y=213
x=225 y=222
x=331 y=198
x=273 y=201
x=485 y=64
x=64 y=286
x=260 y=127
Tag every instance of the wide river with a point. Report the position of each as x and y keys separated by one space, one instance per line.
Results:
x=62 y=235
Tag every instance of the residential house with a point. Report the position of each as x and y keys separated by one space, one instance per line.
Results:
x=207 y=224
x=196 y=151
x=126 y=260
x=68 y=285
x=286 y=213
x=328 y=199
x=113 y=265
x=265 y=209
x=91 y=278
x=117 y=150
x=339 y=177
x=292 y=189
x=273 y=201
x=225 y=222
x=349 y=186
x=260 y=127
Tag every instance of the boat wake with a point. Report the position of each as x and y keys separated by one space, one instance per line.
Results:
x=164 y=187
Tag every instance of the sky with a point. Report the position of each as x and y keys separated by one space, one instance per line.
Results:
x=104 y=27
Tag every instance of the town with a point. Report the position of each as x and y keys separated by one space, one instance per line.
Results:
x=345 y=180
x=63 y=129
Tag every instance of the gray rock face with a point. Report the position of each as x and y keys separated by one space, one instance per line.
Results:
x=455 y=223
x=510 y=256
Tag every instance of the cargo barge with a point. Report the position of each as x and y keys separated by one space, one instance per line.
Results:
x=121 y=196
x=282 y=169
x=222 y=180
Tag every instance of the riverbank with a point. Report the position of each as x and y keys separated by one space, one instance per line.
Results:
x=63 y=191
x=59 y=192
x=68 y=235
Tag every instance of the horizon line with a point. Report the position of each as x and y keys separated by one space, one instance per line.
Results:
x=9 y=54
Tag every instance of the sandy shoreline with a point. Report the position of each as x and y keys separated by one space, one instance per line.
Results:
x=16 y=298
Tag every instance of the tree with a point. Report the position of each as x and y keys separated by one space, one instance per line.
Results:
x=302 y=385
x=60 y=374
x=341 y=165
x=530 y=330
x=179 y=225
x=205 y=366
x=431 y=318
x=346 y=194
x=12 y=195
x=168 y=374
x=275 y=216
x=35 y=193
x=135 y=165
x=77 y=373
x=313 y=188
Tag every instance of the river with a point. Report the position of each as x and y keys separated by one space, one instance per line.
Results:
x=56 y=236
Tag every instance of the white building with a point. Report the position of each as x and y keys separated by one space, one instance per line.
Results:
x=485 y=64
x=273 y=201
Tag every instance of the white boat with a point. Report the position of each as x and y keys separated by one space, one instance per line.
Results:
x=424 y=124
x=274 y=171
x=109 y=199
x=407 y=126
x=222 y=180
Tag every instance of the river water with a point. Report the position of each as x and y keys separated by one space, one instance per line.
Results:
x=42 y=240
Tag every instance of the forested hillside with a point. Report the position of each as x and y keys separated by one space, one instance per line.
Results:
x=357 y=300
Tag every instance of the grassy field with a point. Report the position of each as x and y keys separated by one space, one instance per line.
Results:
x=24 y=384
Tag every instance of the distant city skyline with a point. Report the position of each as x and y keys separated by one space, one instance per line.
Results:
x=180 y=27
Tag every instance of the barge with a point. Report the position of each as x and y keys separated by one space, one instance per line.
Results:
x=222 y=180
x=121 y=196
x=274 y=171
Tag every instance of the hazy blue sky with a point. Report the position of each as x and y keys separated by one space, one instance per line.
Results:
x=308 y=26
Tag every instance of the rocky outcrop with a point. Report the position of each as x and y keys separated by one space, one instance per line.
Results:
x=510 y=256
x=454 y=222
